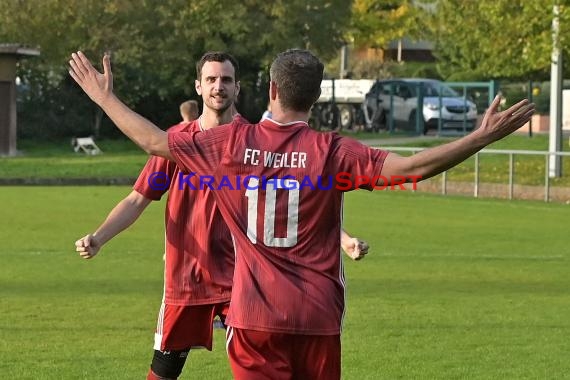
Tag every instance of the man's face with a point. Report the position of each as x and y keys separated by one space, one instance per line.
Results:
x=217 y=86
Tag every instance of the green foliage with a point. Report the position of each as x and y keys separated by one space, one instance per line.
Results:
x=154 y=46
x=155 y=43
x=415 y=70
x=515 y=91
x=496 y=39
x=371 y=68
x=375 y=23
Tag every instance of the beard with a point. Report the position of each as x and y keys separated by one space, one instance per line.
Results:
x=218 y=106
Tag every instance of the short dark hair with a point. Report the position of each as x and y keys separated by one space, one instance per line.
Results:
x=298 y=75
x=216 y=56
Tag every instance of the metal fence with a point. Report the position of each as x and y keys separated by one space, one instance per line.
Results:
x=511 y=155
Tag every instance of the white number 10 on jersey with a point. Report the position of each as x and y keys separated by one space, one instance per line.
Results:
x=252 y=194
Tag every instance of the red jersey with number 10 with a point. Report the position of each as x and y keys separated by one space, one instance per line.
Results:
x=275 y=187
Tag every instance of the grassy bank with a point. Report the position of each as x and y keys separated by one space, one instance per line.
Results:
x=121 y=158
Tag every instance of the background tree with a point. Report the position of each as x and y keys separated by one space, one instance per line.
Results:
x=497 y=39
x=154 y=46
x=377 y=23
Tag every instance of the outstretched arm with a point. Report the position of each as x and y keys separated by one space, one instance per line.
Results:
x=99 y=87
x=430 y=162
x=122 y=216
x=354 y=248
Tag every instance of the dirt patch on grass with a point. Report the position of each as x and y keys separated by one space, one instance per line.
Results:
x=495 y=190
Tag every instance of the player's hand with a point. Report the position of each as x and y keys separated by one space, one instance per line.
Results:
x=87 y=246
x=96 y=85
x=356 y=249
x=499 y=124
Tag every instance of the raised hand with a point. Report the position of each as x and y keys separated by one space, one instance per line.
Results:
x=98 y=86
x=497 y=125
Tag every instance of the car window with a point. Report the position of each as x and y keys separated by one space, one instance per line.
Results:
x=405 y=90
x=435 y=88
x=386 y=88
x=413 y=89
x=430 y=90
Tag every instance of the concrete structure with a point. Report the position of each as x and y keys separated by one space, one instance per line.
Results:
x=406 y=49
x=9 y=56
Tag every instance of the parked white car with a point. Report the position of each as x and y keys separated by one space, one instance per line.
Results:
x=398 y=99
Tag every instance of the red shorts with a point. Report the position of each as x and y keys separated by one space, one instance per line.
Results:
x=258 y=355
x=184 y=327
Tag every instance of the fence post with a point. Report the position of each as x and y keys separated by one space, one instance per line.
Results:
x=413 y=152
x=511 y=174
x=530 y=99
x=466 y=108
x=391 y=121
x=420 y=110
x=493 y=90
x=547 y=178
x=476 y=188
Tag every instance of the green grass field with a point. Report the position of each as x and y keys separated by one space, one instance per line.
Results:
x=121 y=158
x=454 y=288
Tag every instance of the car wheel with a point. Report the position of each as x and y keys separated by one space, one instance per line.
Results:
x=328 y=116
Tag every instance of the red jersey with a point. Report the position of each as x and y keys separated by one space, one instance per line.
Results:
x=199 y=250
x=275 y=186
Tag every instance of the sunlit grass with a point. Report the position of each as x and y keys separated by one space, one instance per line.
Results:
x=453 y=288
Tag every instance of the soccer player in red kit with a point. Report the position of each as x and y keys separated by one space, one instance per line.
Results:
x=276 y=185
x=199 y=250
x=199 y=257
